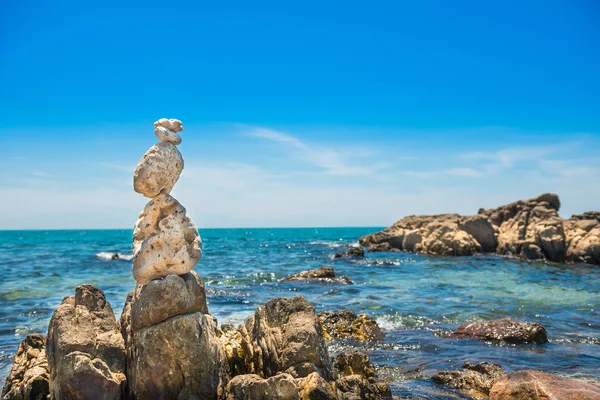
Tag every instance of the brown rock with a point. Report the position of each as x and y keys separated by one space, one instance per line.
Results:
x=446 y=238
x=504 y=330
x=325 y=274
x=253 y=387
x=314 y=387
x=357 y=379
x=477 y=379
x=85 y=349
x=178 y=358
x=164 y=298
x=480 y=228
x=29 y=377
x=536 y=385
x=355 y=362
x=583 y=238
x=284 y=335
x=347 y=324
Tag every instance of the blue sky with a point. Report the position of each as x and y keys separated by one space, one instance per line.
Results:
x=306 y=114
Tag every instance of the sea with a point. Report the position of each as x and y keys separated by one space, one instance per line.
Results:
x=416 y=299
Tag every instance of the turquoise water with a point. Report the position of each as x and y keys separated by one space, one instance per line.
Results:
x=415 y=298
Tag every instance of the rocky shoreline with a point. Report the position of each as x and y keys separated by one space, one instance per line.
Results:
x=167 y=345
x=529 y=229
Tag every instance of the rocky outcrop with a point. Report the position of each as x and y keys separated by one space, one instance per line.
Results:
x=503 y=330
x=29 y=377
x=531 y=229
x=582 y=234
x=475 y=379
x=325 y=274
x=536 y=385
x=85 y=349
x=347 y=324
x=285 y=335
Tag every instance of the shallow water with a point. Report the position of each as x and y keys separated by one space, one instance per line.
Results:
x=415 y=298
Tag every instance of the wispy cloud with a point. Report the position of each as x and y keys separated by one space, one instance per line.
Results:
x=330 y=160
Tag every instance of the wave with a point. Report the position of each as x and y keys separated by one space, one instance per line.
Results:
x=333 y=244
x=107 y=255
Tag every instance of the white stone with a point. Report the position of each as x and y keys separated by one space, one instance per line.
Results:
x=165 y=241
x=171 y=124
x=167 y=135
x=158 y=170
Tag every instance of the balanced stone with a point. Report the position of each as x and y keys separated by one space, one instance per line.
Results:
x=165 y=241
x=158 y=170
x=171 y=124
x=167 y=135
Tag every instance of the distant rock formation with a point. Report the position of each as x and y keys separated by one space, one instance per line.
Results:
x=531 y=229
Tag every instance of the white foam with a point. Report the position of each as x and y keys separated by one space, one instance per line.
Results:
x=107 y=255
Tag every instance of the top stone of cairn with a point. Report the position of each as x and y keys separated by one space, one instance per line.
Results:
x=166 y=130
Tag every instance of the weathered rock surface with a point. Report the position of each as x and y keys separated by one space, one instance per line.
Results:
x=353 y=251
x=347 y=324
x=503 y=330
x=165 y=241
x=173 y=350
x=158 y=170
x=164 y=298
x=85 y=349
x=284 y=335
x=476 y=379
x=29 y=377
x=325 y=274
x=536 y=385
x=357 y=379
x=531 y=229
x=252 y=386
x=171 y=124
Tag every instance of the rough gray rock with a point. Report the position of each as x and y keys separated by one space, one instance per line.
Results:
x=347 y=324
x=325 y=274
x=165 y=241
x=503 y=330
x=29 y=378
x=158 y=170
x=85 y=349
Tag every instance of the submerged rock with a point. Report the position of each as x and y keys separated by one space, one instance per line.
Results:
x=29 y=377
x=476 y=379
x=347 y=324
x=536 y=385
x=353 y=251
x=85 y=349
x=165 y=241
x=325 y=274
x=503 y=330
x=158 y=170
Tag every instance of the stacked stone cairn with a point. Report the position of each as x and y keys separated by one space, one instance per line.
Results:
x=167 y=345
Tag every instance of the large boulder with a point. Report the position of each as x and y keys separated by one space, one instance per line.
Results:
x=172 y=343
x=475 y=379
x=536 y=385
x=503 y=330
x=253 y=387
x=165 y=241
x=347 y=324
x=29 y=378
x=284 y=335
x=158 y=170
x=325 y=274
x=85 y=349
